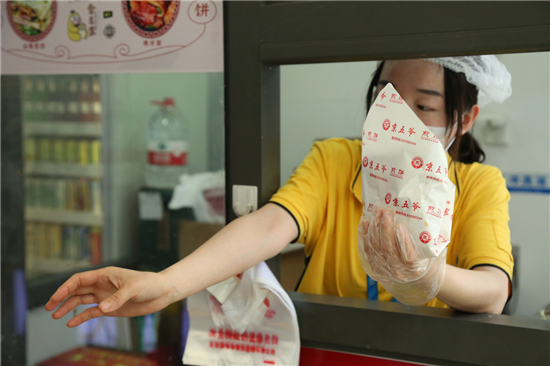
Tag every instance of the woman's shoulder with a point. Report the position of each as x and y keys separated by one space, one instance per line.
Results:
x=338 y=148
x=479 y=175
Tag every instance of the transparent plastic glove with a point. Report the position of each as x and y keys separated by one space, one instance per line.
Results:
x=389 y=255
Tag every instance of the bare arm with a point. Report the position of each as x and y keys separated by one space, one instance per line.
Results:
x=240 y=245
x=481 y=290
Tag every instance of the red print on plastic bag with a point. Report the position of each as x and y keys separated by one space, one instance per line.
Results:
x=386 y=124
x=417 y=162
x=270 y=313
x=388 y=198
x=365 y=161
x=425 y=237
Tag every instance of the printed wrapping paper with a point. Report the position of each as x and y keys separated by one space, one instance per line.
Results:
x=405 y=169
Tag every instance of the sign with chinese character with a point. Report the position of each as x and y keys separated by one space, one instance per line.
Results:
x=66 y=37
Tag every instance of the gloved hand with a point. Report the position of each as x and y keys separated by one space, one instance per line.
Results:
x=389 y=255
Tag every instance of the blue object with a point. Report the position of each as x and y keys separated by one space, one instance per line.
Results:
x=528 y=183
x=184 y=327
x=372 y=289
x=19 y=302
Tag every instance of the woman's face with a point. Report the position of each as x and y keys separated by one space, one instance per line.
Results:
x=421 y=85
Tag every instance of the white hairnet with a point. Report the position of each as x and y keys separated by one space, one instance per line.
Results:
x=486 y=72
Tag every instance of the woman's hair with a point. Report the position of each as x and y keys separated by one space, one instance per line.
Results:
x=460 y=96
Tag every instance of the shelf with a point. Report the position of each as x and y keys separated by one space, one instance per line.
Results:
x=65 y=170
x=63 y=216
x=69 y=129
x=57 y=265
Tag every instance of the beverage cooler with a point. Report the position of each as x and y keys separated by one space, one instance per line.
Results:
x=65 y=179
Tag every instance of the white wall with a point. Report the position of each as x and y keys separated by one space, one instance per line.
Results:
x=130 y=111
x=528 y=152
x=317 y=102
x=327 y=100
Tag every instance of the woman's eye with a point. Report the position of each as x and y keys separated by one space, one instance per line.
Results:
x=423 y=108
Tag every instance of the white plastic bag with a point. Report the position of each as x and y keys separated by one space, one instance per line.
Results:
x=243 y=321
x=408 y=201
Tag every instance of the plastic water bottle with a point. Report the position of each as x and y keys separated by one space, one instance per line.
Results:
x=167 y=143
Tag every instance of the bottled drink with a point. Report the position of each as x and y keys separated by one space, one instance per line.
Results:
x=167 y=146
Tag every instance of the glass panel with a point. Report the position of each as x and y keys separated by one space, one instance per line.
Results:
x=63 y=165
x=328 y=100
x=86 y=155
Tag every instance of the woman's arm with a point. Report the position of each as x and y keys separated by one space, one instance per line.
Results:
x=240 y=245
x=392 y=256
x=481 y=290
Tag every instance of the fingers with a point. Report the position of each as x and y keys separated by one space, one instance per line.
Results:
x=408 y=251
x=70 y=287
x=374 y=236
x=73 y=303
x=365 y=226
x=84 y=316
x=116 y=300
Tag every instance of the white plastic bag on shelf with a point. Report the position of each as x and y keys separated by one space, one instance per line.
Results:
x=243 y=321
x=192 y=192
x=408 y=201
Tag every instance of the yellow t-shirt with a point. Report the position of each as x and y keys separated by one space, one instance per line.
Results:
x=324 y=197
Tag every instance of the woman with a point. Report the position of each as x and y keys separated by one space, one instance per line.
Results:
x=320 y=206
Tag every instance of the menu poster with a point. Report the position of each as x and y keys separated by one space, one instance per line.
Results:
x=77 y=37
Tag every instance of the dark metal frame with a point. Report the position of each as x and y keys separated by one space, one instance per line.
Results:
x=261 y=36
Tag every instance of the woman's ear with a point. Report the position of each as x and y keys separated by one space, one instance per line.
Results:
x=469 y=118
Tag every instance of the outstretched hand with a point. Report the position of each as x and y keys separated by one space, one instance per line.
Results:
x=117 y=291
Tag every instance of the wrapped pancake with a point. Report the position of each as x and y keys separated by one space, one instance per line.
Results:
x=32 y=16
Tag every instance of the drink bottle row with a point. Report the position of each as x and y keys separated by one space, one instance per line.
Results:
x=62 y=150
x=61 y=98
x=80 y=194
x=69 y=242
x=73 y=111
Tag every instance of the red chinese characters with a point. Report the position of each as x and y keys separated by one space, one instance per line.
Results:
x=250 y=342
x=436 y=212
x=152 y=42
x=372 y=136
x=33 y=46
x=428 y=136
x=202 y=9
x=396 y=98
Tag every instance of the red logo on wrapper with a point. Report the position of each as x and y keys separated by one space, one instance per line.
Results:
x=417 y=162
x=388 y=198
x=386 y=124
x=365 y=161
x=425 y=237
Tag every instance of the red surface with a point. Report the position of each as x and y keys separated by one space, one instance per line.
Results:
x=91 y=356
x=320 y=357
